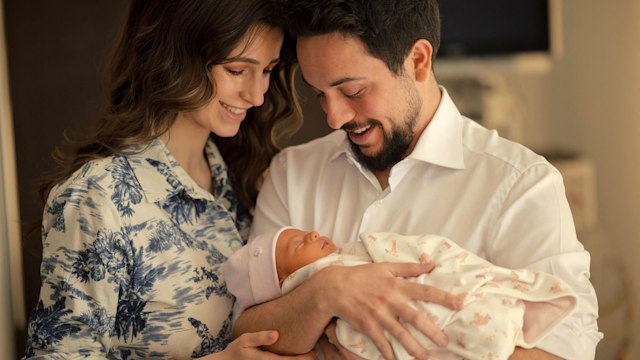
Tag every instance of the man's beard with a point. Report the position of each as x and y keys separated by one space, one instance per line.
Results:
x=396 y=144
x=393 y=149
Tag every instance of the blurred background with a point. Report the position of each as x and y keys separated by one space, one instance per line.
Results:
x=560 y=76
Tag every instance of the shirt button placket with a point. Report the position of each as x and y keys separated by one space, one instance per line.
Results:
x=371 y=215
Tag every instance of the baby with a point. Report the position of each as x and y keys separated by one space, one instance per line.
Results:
x=503 y=308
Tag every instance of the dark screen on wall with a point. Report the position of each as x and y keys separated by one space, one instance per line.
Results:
x=493 y=27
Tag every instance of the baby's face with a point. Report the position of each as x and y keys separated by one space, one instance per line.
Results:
x=296 y=248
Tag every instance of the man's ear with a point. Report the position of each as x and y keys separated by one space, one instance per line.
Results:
x=420 y=57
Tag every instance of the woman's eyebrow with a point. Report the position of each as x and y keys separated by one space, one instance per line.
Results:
x=253 y=61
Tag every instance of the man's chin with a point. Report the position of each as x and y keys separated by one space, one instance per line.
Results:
x=379 y=160
x=373 y=163
x=365 y=151
x=369 y=154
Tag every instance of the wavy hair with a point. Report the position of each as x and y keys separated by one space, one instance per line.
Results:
x=387 y=28
x=161 y=66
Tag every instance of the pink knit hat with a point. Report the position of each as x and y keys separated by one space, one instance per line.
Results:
x=251 y=273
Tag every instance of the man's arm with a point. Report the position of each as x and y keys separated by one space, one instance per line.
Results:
x=535 y=230
x=373 y=298
x=299 y=316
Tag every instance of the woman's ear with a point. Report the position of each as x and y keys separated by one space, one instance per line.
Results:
x=420 y=57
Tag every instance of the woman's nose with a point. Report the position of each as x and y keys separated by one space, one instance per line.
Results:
x=254 y=91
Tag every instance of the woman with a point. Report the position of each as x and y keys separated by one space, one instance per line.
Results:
x=142 y=214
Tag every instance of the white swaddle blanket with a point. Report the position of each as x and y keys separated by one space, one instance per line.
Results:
x=504 y=308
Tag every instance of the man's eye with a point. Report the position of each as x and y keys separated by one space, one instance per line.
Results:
x=355 y=94
x=235 y=72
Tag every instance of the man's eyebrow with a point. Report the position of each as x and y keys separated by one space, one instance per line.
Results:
x=344 y=80
x=335 y=83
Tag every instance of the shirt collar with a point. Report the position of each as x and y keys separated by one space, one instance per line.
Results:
x=160 y=175
x=441 y=143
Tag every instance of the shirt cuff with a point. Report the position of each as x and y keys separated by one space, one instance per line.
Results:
x=572 y=341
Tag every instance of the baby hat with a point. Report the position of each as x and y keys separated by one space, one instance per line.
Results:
x=251 y=273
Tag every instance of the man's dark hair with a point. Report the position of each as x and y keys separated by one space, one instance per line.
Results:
x=387 y=28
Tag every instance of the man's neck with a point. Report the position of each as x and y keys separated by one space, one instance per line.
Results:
x=383 y=177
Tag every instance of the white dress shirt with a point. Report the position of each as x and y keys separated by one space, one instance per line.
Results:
x=491 y=196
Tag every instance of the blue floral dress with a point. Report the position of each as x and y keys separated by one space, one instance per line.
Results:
x=132 y=249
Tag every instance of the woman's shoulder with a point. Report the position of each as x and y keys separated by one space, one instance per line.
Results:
x=93 y=179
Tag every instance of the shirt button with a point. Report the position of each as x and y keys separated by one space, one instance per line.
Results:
x=257 y=252
x=379 y=202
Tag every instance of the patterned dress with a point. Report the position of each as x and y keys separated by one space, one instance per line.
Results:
x=132 y=249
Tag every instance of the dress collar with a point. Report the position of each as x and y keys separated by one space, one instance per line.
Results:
x=161 y=177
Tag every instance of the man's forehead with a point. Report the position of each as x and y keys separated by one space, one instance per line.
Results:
x=331 y=60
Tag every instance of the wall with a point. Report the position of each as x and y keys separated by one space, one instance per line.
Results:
x=55 y=53
x=11 y=301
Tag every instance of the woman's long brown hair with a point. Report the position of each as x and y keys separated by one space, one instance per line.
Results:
x=161 y=66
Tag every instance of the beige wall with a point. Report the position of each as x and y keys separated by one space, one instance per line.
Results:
x=11 y=305
x=590 y=102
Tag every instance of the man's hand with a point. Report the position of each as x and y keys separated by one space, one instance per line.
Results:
x=373 y=298
x=331 y=348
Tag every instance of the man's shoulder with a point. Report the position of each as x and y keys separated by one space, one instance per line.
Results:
x=490 y=146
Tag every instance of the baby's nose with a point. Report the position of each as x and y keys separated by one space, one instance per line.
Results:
x=312 y=236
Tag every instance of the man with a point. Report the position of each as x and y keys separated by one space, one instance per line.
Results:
x=406 y=161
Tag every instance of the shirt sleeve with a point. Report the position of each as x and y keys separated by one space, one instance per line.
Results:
x=534 y=229
x=84 y=252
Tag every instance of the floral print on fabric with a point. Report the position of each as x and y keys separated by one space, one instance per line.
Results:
x=132 y=250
